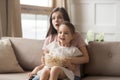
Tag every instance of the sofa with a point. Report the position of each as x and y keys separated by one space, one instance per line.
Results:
x=19 y=56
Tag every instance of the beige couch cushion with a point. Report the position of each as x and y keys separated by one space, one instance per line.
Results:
x=104 y=58
x=8 y=61
x=28 y=52
x=15 y=76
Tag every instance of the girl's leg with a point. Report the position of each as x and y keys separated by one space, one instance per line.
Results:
x=56 y=73
x=45 y=73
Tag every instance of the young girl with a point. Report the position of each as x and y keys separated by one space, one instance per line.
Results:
x=58 y=52
x=57 y=16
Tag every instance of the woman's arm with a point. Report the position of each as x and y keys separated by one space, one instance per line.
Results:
x=69 y=65
x=43 y=55
x=82 y=59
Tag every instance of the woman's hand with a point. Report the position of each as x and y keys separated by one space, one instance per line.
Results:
x=67 y=63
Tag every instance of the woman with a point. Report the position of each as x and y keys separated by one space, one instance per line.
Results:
x=58 y=15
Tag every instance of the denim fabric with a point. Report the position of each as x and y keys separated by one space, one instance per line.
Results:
x=36 y=77
x=77 y=78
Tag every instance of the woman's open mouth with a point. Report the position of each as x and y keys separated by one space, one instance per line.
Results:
x=56 y=24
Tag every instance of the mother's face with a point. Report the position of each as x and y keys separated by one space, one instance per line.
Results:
x=57 y=19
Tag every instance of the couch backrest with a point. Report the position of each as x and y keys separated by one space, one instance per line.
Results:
x=104 y=59
x=28 y=52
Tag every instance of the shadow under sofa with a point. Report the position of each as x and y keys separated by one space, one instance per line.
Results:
x=104 y=59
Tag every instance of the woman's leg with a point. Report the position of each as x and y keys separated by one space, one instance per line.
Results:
x=56 y=73
x=45 y=73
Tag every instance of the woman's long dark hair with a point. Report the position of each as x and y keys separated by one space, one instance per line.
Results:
x=51 y=29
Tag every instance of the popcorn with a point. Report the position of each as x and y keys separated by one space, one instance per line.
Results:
x=52 y=60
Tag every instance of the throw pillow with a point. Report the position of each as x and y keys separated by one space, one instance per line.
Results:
x=8 y=61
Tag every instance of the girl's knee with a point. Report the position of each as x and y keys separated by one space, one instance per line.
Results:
x=55 y=69
x=45 y=71
x=44 y=74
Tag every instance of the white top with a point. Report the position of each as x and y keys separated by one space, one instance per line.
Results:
x=56 y=50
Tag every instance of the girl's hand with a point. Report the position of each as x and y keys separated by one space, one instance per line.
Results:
x=31 y=74
x=35 y=70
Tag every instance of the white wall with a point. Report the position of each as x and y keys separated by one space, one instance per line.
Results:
x=98 y=16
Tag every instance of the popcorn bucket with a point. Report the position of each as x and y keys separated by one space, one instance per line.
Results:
x=52 y=60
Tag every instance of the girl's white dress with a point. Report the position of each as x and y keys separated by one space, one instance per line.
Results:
x=68 y=52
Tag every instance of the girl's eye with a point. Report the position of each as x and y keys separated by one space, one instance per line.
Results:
x=63 y=33
x=60 y=32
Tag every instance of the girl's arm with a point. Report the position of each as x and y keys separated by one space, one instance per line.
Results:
x=82 y=59
x=35 y=70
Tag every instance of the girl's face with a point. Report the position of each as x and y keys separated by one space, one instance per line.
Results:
x=64 y=35
x=57 y=19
